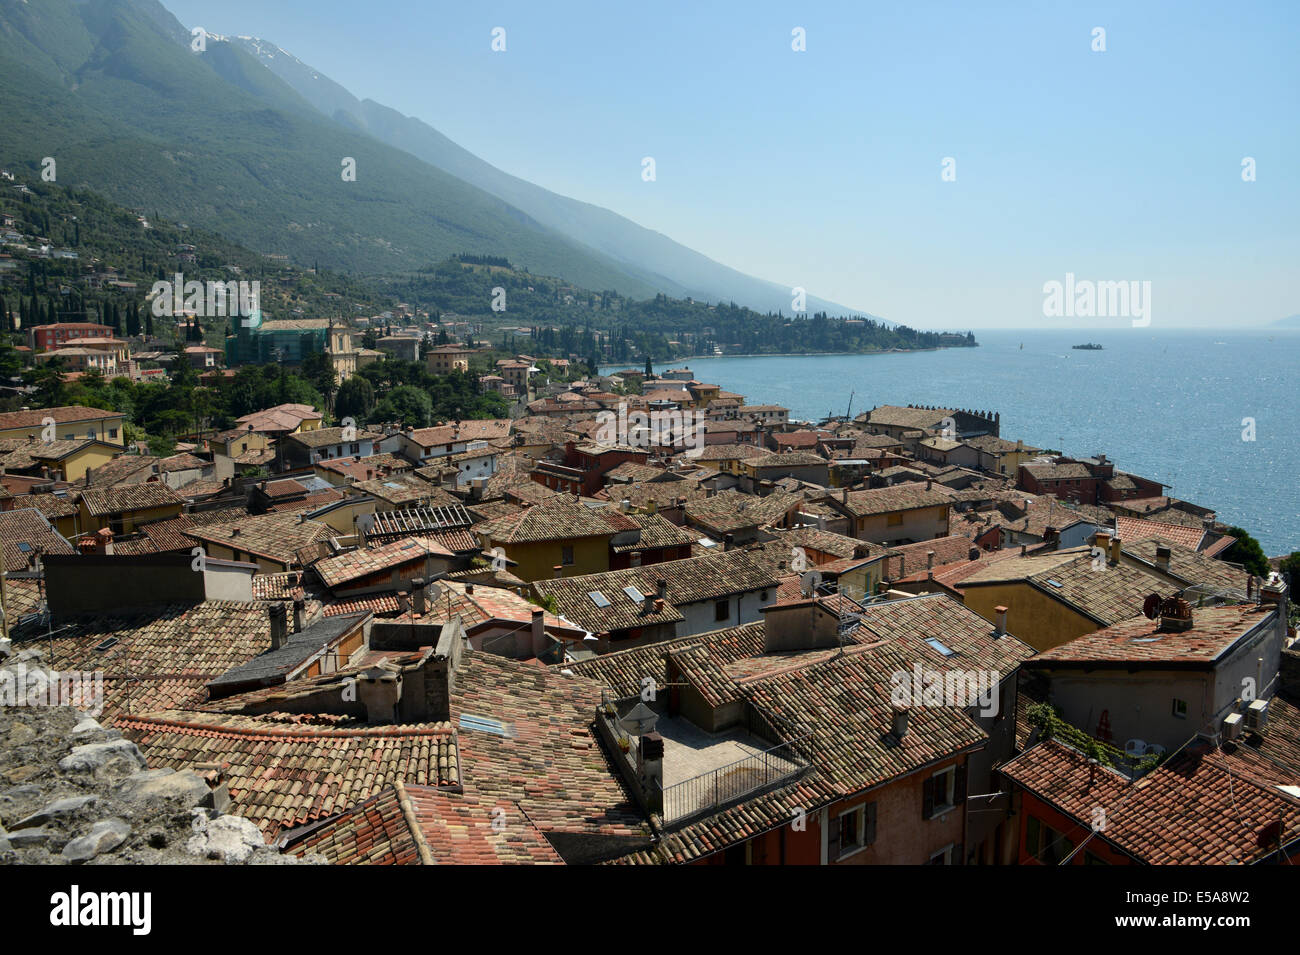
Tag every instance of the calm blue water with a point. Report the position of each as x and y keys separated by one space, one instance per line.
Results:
x=1167 y=405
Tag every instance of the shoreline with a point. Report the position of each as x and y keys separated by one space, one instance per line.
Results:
x=811 y=354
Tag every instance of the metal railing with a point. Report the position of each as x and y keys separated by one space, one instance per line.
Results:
x=709 y=791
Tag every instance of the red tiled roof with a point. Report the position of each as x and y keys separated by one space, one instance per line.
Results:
x=421 y=825
x=1203 y=806
x=283 y=775
x=1141 y=641
x=1134 y=529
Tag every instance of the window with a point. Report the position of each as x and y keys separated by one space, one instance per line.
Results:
x=1044 y=843
x=942 y=857
x=722 y=610
x=356 y=448
x=894 y=520
x=852 y=830
x=943 y=791
x=1180 y=709
x=566 y=556
x=112 y=432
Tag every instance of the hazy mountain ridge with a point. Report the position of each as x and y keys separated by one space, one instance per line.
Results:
x=113 y=92
x=647 y=254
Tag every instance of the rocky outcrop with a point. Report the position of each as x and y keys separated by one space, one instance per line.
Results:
x=74 y=792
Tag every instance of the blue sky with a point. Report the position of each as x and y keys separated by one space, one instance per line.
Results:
x=822 y=168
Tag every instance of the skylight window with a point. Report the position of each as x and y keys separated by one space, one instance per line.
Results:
x=1055 y=583
x=599 y=599
x=484 y=724
x=107 y=644
x=634 y=595
x=939 y=645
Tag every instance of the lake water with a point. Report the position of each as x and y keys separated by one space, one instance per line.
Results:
x=1168 y=405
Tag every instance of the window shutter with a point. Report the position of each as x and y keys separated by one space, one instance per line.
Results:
x=959 y=786
x=869 y=837
x=833 y=839
x=927 y=798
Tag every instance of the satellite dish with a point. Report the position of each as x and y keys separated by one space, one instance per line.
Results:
x=1151 y=606
x=639 y=720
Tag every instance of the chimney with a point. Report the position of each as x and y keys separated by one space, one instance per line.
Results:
x=1116 y=548
x=661 y=586
x=1000 y=613
x=928 y=482
x=299 y=612
x=380 y=689
x=973 y=554
x=1178 y=619
x=469 y=590
x=651 y=756
x=1101 y=540
x=539 y=631
x=844 y=495
x=728 y=542
x=417 y=595
x=1273 y=591
x=1163 y=553
x=636 y=558
x=278 y=615
x=898 y=728
x=929 y=560
x=558 y=571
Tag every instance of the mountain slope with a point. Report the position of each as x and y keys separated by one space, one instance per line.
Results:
x=649 y=255
x=112 y=91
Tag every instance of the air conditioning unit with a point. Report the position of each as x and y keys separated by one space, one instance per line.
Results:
x=1232 y=724
x=1257 y=715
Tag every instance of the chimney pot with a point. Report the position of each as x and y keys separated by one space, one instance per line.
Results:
x=1163 y=553
x=1116 y=548
x=662 y=586
x=1001 y=614
x=278 y=615
x=417 y=595
x=898 y=727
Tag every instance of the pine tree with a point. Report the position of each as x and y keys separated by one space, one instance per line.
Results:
x=148 y=319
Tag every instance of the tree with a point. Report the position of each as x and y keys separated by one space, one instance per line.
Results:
x=649 y=370
x=318 y=369
x=355 y=399
x=1247 y=552
x=48 y=380
x=408 y=405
